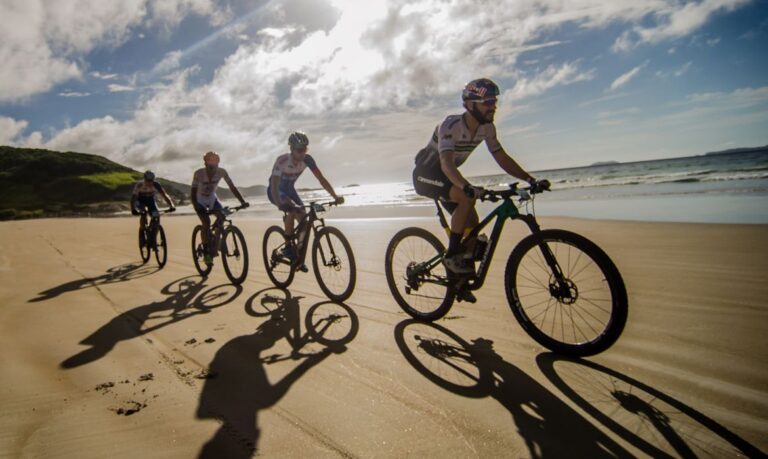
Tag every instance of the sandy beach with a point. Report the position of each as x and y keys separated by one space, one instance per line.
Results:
x=103 y=356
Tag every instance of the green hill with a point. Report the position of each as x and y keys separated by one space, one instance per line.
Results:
x=41 y=183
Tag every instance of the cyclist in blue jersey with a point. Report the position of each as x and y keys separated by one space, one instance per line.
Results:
x=143 y=198
x=287 y=169
x=437 y=176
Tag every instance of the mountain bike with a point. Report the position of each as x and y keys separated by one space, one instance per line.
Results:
x=152 y=238
x=332 y=257
x=230 y=243
x=562 y=288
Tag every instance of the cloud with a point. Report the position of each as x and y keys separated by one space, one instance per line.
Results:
x=46 y=41
x=375 y=79
x=625 y=78
x=74 y=94
x=120 y=88
x=10 y=129
x=674 y=20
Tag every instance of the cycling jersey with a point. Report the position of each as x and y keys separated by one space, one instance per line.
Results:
x=143 y=189
x=453 y=135
x=289 y=171
x=206 y=187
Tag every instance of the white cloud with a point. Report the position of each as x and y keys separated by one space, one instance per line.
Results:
x=74 y=94
x=674 y=20
x=381 y=62
x=626 y=77
x=10 y=129
x=120 y=88
x=45 y=40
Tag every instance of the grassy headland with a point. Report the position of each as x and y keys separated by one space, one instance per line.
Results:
x=45 y=183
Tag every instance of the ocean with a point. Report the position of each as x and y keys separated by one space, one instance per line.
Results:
x=714 y=188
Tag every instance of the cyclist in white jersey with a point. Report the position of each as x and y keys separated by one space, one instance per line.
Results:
x=287 y=169
x=204 y=199
x=437 y=175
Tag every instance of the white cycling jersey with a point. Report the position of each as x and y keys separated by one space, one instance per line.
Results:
x=206 y=186
x=453 y=135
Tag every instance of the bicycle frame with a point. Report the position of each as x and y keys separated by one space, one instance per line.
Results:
x=504 y=211
x=315 y=223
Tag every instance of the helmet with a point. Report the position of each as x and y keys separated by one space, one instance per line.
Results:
x=211 y=158
x=480 y=89
x=149 y=175
x=298 y=139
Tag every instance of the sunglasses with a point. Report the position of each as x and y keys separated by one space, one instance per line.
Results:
x=490 y=102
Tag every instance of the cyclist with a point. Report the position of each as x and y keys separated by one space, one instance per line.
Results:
x=204 y=199
x=436 y=174
x=143 y=197
x=281 y=191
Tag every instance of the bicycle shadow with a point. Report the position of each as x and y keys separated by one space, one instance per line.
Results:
x=186 y=298
x=654 y=422
x=242 y=387
x=549 y=427
x=120 y=273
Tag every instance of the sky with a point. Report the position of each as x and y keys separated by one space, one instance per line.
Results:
x=154 y=84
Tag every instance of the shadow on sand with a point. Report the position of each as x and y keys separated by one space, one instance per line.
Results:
x=549 y=427
x=652 y=421
x=121 y=273
x=242 y=386
x=186 y=298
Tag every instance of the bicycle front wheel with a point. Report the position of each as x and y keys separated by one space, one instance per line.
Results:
x=581 y=311
x=280 y=268
x=416 y=275
x=198 y=252
x=334 y=264
x=234 y=255
x=161 y=247
x=143 y=246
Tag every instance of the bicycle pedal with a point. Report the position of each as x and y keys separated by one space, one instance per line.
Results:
x=303 y=268
x=466 y=295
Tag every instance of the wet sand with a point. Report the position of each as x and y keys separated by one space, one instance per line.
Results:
x=103 y=356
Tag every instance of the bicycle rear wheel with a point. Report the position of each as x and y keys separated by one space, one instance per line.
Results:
x=198 y=252
x=416 y=275
x=234 y=255
x=143 y=246
x=581 y=314
x=161 y=246
x=334 y=264
x=279 y=268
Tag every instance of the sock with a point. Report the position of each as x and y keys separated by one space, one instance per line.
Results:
x=454 y=244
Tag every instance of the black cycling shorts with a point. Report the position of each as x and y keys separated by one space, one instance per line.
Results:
x=432 y=183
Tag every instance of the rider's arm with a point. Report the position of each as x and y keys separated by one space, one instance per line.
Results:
x=324 y=182
x=133 y=201
x=450 y=170
x=162 y=191
x=510 y=166
x=193 y=196
x=234 y=189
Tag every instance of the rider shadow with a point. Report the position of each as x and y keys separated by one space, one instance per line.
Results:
x=654 y=422
x=186 y=299
x=549 y=427
x=241 y=386
x=121 y=273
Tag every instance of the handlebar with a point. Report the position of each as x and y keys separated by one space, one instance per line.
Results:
x=320 y=206
x=164 y=211
x=525 y=194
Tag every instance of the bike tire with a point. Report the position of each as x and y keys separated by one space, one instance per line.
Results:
x=586 y=322
x=161 y=249
x=279 y=272
x=407 y=248
x=198 y=252
x=143 y=246
x=234 y=255
x=333 y=283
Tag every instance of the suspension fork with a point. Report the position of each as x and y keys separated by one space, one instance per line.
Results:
x=546 y=252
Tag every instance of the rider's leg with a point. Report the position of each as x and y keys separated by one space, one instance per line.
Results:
x=205 y=222
x=218 y=225
x=463 y=217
